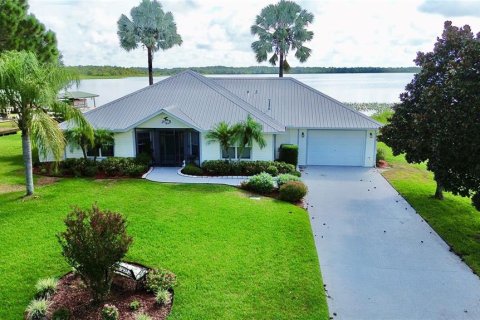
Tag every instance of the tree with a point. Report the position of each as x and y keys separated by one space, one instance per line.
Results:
x=151 y=27
x=23 y=31
x=247 y=132
x=224 y=134
x=101 y=139
x=31 y=88
x=280 y=28
x=438 y=119
x=78 y=138
x=94 y=242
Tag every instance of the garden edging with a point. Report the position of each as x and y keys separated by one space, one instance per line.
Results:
x=180 y=173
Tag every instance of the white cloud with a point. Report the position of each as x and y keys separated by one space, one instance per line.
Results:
x=347 y=32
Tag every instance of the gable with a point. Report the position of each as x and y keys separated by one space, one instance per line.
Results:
x=163 y=121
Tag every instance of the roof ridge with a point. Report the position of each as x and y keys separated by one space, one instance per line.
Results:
x=335 y=100
x=231 y=96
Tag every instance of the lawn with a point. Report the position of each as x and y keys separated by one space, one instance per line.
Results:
x=454 y=218
x=236 y=258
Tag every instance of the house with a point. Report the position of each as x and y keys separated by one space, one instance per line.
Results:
x=78 y=99
x=171 y=118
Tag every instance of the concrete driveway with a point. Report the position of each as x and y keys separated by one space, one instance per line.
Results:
x=379 y=259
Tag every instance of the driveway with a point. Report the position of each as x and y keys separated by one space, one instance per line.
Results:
x=379 y=258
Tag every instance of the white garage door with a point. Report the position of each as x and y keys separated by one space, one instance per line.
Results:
x=336 y=147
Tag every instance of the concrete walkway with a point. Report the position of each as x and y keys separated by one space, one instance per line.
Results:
x=379 y=259
x=169 y=174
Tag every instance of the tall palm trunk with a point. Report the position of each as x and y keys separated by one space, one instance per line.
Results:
x=280 y=70
x=150 y=67
x=27 y=160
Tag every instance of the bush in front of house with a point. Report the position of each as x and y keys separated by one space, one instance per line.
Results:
x=111 y=167
x=261 y=183
x=288 y=153
x=110 y=312
x=286 y=177
x=93 y=243
x=380 y=155
x=246 y=168
x=163 y=297
x=292 y=191
x=160 y=279
x=37 y=309
x=61 y=314
x=272 y=170
x=192 y=170
x=44 y=288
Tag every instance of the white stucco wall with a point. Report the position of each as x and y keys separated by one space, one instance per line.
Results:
x=211 y=151
x=124 y=144
x=371 y=148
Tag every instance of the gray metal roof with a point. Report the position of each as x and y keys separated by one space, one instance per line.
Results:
x=295 y=104
x=76 y=95
x=202 y=102
x=189 y=96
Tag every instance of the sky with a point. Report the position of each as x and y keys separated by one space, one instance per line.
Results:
x=347 y=33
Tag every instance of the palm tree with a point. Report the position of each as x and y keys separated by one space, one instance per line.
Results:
x=224 y=134
x=101 y=139
x=31 y=88
x=280 y=28
x=78 y=137
x=150 y=27
x=246 y=133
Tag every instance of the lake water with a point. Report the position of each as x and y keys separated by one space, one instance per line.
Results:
x=356 y=87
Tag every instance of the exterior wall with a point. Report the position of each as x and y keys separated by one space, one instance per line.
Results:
x=73 y=153
x=211 y=151
x=163 y=121
x=371 y=148
x=124 y=144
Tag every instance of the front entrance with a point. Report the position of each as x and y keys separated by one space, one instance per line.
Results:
x=168 y=147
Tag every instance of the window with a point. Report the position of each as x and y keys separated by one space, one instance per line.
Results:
x=107 y=150
x=234 y=152
x=144 y=142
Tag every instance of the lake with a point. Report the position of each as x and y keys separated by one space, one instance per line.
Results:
x=351 y=87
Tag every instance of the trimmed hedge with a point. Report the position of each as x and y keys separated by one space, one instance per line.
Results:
x=286 y=177
x=292 y=191
x=261 y=183
x=289 y=153
x=192 y=170
x=245 y=168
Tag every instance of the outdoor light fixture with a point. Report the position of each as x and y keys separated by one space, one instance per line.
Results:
x=303 y=134
x=371 y=135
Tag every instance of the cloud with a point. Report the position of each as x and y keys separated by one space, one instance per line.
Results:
x=217 y=32
x=450 y=8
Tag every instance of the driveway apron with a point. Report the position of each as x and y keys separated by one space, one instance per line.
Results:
x=379 y=258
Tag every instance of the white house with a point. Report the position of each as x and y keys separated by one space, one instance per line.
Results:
x=171 y=118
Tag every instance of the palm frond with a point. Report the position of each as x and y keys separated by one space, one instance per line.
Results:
x=46 y=135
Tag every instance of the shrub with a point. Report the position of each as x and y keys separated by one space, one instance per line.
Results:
x=163 y=297
x=77 y=167
x=292 y=191
x=216 y=167
x=135 y=305
x=160 y=280
x=296 y=173
x=134 y=169
x=284 y=167
x=142 y=316
x=113 y=166
x=144 y=158
x=286 y=177
x=93 y=243
x=261 y=183
x=192 y=170
x=110 y=312
x=90 y=171
x=289 y=154
x=45 y=287
x=380 y=155
x=272 y=170
x=37 y=309
x=61 y=314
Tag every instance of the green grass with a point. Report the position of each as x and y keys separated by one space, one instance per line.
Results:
x=235 y=258
x=454 y=218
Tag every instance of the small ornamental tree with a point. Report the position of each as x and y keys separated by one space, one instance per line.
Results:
x=94 y=242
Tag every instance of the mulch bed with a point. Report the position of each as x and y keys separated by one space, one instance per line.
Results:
x=73 y=295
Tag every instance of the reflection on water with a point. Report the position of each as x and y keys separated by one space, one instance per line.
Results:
x=358 y=87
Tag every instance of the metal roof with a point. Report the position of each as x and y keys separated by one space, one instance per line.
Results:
x=188 y=96
x=76 y=95
x=202 y=102
x=295 y=104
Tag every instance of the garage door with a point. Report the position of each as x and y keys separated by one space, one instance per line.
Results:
x=336 y=147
